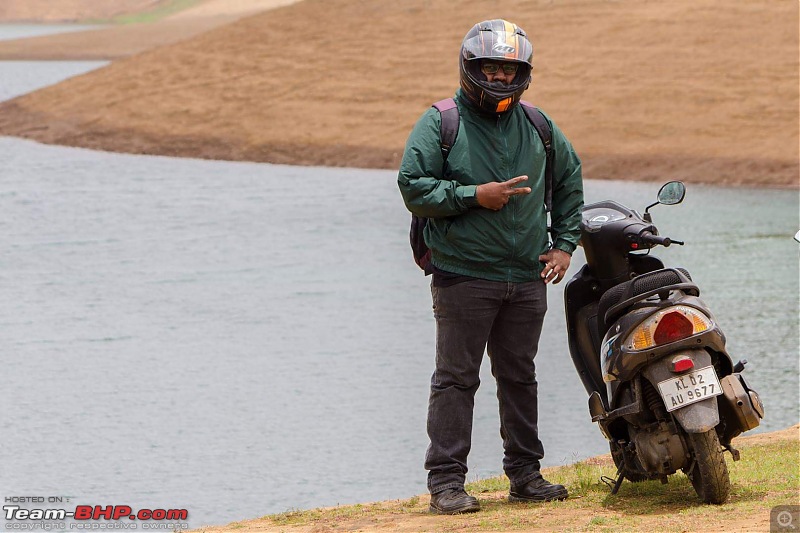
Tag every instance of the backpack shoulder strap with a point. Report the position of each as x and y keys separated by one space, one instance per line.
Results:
x=448 y=110
x=545 y=133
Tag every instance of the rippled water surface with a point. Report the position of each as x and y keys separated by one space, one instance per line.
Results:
x=20 y=31
x=20 y=77
x=241 y=339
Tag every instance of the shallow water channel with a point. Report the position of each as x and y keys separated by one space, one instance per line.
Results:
x=196 y=334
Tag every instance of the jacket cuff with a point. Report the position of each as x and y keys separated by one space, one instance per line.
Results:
x=564 y=246
x=469 y=195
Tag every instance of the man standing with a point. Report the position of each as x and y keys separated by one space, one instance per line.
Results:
x=491 y=257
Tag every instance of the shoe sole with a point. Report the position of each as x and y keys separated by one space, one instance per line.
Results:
x=559 y=496
x=470 y=508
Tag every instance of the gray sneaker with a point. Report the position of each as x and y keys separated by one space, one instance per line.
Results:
x=537 y=490
x=453 y=501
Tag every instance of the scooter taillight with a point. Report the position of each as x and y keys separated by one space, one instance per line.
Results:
x=673 y=327
x=682 y=363
x=668 y=325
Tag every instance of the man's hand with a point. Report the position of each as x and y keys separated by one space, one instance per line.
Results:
x=495 y=195
x=556 y=263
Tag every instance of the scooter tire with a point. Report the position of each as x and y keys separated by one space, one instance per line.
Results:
x=709 y=476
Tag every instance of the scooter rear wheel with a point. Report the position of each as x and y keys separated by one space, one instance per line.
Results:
x=709 y=476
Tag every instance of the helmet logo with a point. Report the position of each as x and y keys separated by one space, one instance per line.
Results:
x=504 y=48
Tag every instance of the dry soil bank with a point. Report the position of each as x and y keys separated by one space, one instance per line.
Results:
x=700 y=90
x=651 y=509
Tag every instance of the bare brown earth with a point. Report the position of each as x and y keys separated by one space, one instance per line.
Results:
x=411 y=516
x=701 y=90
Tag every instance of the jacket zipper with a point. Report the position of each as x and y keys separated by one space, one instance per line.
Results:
x=512 y=202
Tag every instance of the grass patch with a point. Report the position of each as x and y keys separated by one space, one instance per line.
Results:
x=492 y=484
x=766 y=476
x=162 y=10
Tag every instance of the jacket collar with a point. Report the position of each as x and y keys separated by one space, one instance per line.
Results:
x=464 y=101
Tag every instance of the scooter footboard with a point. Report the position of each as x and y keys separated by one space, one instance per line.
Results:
x=690 y=396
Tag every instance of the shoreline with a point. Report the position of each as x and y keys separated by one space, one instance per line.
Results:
x=658 y=97
x=411 y=514
x=15 y=121
x=113 y=40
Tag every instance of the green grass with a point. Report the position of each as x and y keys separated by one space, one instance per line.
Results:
x=162 y=10
x=492 y=484
x=767 y=475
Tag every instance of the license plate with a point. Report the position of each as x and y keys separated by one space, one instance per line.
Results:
x=690 y=388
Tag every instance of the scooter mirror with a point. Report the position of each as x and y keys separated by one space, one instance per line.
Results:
x=672 y=193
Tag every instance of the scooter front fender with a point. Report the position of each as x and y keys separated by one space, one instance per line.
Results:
x=697 y=417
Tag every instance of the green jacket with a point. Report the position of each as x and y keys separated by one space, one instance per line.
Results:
x=465 y=238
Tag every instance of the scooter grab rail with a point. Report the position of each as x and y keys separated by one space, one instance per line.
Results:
x=614 y=311
x=616 y=300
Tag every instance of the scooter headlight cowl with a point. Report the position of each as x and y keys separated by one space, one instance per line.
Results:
x=668 y=325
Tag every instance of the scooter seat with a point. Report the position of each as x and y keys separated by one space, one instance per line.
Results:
x=616 y=300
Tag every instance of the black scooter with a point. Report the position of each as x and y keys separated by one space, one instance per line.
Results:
x=661 y=384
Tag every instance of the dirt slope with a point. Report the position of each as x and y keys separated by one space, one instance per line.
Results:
x=695 y=89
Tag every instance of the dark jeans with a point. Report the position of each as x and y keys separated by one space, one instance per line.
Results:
x=506 y=320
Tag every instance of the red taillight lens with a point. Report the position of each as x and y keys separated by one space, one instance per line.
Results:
x=668 y=325
x=673 y=327
x=682 y=364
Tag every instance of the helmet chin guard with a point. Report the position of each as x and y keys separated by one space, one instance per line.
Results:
x=502 y=41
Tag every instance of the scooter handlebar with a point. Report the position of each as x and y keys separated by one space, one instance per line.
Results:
x=649 y=238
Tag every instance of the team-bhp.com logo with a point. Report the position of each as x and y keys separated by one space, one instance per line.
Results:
x=88 y=517
x=88 y=512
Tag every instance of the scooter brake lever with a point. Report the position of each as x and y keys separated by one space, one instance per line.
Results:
x=677 y=242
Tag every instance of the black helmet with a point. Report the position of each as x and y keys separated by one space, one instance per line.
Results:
x=502 y=41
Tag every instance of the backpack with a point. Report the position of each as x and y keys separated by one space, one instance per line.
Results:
x=448 y=110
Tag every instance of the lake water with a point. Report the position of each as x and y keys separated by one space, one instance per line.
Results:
x=240 y=339
x=22 y=30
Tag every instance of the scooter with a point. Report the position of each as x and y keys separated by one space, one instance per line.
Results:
x=662 y=387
